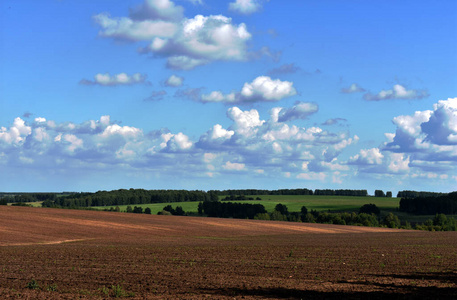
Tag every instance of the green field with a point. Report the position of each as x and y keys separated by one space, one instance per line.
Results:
x=293 y=203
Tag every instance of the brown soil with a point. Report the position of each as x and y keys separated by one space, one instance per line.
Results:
x=74 y=254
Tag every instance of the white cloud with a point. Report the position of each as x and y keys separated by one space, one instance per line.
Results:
x=264 y=88
x=157 y=9
x=234 y=166
x=398 y=162
x=176 y=142
x=261 y=89
x=118 y=79
x=185 y=42
x=218 y=132
x=397 y=92
x=17 y=133
x=371 y=156
x=200 y=40
x=125 y=131
x=312 y=176
x=174 y=81
x=301 y=110
x=73 y=141
x=245 y=6
x=354 y=88
x=131 y=30
x=245 y=121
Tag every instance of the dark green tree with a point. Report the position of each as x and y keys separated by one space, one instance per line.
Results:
x=369 y=209
x=282 y=209
x=392 y=221
x=147 y=211
x=379 y=193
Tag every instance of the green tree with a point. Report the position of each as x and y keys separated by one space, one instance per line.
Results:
x=277 y=216
x=179 y=211
x=392 y=221
x=129 y=209
x=281 y=208
x=379 y=193
x=369 y=209
x=147 y=211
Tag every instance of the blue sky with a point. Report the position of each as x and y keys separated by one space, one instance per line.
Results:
x=204 y=94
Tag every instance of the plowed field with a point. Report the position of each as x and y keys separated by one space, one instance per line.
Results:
x=70 y=254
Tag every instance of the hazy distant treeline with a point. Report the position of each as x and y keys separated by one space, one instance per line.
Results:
x=26 y=197
x=326 y=192
x=416 y=194
x=248 y=192
x=131 y=196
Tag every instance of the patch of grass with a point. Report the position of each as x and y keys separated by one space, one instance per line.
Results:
x=33 y=285
x=51 y=288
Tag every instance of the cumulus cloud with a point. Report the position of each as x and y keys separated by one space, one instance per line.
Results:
x=441 y=127
x=174 y=81
x=423 y=143
x=134 y=30
x=16 y=134
x=397 y=92
x=245 y=7
x=371 y=156
x=234 y=166
x=284 y=69
x=249 y=144
x=185 y=42
x=301 y=110
x=245 y=121
x=354 y=88
x=115 y=80
x=261 y=89
x=200 y=40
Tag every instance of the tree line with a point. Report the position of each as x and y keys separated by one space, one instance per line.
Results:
x=26 y=197
x=251 y=192
x=328 y=192
x=128 y=197
x=430 y=205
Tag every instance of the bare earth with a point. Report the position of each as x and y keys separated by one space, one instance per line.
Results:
x=75 y=254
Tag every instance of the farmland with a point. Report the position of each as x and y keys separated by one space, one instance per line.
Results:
x=55 y=254
x=293 y=202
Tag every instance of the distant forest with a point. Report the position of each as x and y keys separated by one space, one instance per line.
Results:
x=411 y=201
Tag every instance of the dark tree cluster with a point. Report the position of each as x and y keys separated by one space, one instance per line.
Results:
x=250 y=192
x=444 y=204
x=370 y=209
x=128 y=197
x=27 y=197
x=239 y=198
x=328 y=192
x=416 y=194
x=178 y=211
x=230 y=210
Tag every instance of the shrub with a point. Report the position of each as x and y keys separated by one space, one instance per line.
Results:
x=262 y=216
x=392 y=221
x=33 y=285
